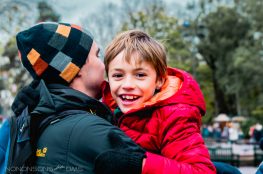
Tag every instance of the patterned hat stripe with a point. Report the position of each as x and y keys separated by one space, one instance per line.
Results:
x=69 y=72
x=33 y=56
x=60 y=61
x=63 y=30
x=76 y=27
x=57 y=51
x=40 y=66
x=57 y=41
x=85 y=41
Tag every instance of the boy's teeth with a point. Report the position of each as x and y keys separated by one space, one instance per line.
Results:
x=128 y=97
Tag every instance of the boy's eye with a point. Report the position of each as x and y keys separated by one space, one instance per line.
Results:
x=117 y=75
x=140 y=75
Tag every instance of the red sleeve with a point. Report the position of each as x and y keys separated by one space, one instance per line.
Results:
x=182 y=147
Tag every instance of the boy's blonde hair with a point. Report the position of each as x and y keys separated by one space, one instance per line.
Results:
x=136 y=41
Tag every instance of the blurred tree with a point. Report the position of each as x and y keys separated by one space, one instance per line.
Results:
x=2 y=62
x=14 y=15
x=218 y=49
x=239 y=51
x=104 y=26
x=252 y=9
x=203 y=76
x=152 y=18
x=250 y=60
x=18 y=15
x=47 y=13
x=16 y=73
x=245 y=79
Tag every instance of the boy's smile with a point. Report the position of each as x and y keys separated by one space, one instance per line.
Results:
x=129 y=97
x=128 y=100
x=132 y=83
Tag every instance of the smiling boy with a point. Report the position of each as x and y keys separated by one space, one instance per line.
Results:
x=132 y=83
x=160 y=108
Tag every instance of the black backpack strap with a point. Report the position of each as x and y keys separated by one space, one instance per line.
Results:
x=23 y=143
x=42 y=125
x=49 y=120
x=24 y=155
x=19 y=142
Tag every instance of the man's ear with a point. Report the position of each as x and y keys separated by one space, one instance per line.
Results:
x=82 y=70
x=159 y=83
x=79 y=74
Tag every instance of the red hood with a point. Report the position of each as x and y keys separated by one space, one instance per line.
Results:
x=180 y=87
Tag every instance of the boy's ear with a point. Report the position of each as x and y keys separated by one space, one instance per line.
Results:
x=159 y=83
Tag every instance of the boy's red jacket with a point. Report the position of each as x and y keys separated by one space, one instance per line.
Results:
x=168 y=127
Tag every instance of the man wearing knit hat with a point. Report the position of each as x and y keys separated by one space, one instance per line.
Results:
x=68 y=128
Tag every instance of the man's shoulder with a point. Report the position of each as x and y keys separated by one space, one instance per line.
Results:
x=75 y=123
x=82 y=117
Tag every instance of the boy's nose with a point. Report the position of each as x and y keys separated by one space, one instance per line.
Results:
x=128 y=83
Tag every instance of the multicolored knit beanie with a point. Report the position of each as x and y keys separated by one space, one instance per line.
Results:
x=54 y=52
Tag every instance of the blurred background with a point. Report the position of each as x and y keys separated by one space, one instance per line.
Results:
x=220 y=42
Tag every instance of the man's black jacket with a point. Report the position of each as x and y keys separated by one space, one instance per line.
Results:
x=77 y=130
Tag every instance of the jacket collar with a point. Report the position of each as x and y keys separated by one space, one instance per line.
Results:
x=55 y=98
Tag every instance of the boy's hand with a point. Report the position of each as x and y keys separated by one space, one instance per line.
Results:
x=121 y=159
